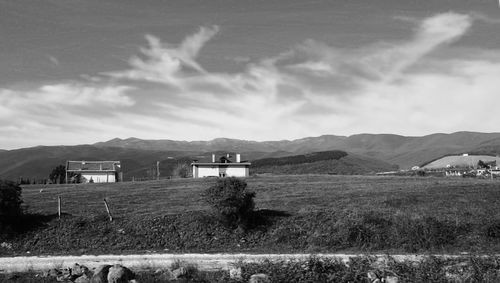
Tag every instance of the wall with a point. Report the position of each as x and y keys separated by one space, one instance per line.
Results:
x=200 y=171
x=207 y=171
x=100 y=177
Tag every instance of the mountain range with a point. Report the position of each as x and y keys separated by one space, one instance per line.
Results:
x=138 y=155
x=400 y=150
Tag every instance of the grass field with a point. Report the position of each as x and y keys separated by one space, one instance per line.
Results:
x=310 y=213
x=446 y=198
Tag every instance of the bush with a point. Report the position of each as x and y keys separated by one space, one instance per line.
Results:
x=10 y=200
x=231 y=200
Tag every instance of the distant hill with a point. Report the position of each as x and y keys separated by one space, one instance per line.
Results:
x=329 y=162
x=394 y=149
x=38 y=162
x=138 y=156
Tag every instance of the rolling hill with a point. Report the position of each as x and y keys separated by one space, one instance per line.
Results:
x=138 y=156
x=328 y=162
x=395 y=149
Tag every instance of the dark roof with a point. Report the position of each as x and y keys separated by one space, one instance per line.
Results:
x=221 y=164
x=84 y=165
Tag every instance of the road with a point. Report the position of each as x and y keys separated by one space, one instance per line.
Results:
x=155 y=261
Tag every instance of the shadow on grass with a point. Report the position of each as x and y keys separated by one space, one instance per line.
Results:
x=264 y=218
x=27 y=222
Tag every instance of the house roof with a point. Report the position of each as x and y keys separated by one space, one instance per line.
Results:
x=84 y=165
x=234 y=164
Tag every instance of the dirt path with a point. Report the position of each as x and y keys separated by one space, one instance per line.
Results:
x=154 y=261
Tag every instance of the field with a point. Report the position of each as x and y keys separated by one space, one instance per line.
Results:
x=445 y=198
x=308 y=213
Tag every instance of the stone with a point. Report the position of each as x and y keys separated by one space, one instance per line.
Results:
x=259 y=278
x=165 y=274
x=235 y=273
x=391 y=279
x=101 y=274
x=79 y=270
x=372 y=276
x=179 y=272
x=65 y=275
x=53 y=272
x=120 y=274
x=83 y=279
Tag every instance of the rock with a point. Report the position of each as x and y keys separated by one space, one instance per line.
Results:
x=6 y=245
x=165 y=275
x=179 y=272
x=79 y=270
x=458 y=272
x=259 y=278
x=372 y=276
x=391 y=279
x=101 y=274
x=83 y=279
x=65 y=275
x=120 y=274
x=53 y=272
x=235 y=273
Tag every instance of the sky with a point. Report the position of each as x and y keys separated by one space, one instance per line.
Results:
x=84 y=71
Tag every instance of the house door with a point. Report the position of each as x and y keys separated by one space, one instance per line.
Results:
x=222 y=171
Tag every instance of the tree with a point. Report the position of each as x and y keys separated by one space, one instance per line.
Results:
x=231 y=200
x=10 y=200
x=181 y=170
x=58 y=175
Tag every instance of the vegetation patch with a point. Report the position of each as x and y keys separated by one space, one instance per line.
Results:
x=290 y=214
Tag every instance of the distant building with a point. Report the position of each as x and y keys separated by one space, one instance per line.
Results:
x=224 y=167
x=95 y=171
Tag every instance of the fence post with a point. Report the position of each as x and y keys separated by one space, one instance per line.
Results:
x=59 y=207
x=107 y=210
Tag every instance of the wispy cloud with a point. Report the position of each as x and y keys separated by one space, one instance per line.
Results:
x=165 y=63
x=53 y=60
x=311 y=89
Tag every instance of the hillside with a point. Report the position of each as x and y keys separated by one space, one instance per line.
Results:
x=460 y=161
x=328 y=162
x=38 y=162
x=139 y=156
x=394 y=149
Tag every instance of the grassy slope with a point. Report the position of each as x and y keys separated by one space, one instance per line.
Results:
x=326 y=213
x=350 y=164
x=288 y=193
x=461 y=161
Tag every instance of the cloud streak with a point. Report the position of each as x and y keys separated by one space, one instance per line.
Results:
x=311 y=89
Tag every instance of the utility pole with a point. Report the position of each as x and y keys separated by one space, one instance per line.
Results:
x=157 y=170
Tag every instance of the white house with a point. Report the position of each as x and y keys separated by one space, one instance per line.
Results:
x=95 y=171
x=223 y=168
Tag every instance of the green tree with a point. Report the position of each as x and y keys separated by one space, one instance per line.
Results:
x=58 y=175
x=231 y=200
x=10 y=200
x=181 y=170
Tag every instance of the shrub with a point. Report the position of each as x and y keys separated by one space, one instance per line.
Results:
x=10 y=200
x=231 y=200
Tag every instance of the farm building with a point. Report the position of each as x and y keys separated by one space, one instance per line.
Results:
x=95 y=171
x=224 y=167
x=465 y=164
x=461 y=161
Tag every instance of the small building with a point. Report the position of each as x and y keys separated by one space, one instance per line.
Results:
x=224 y=167
x=95 y=171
